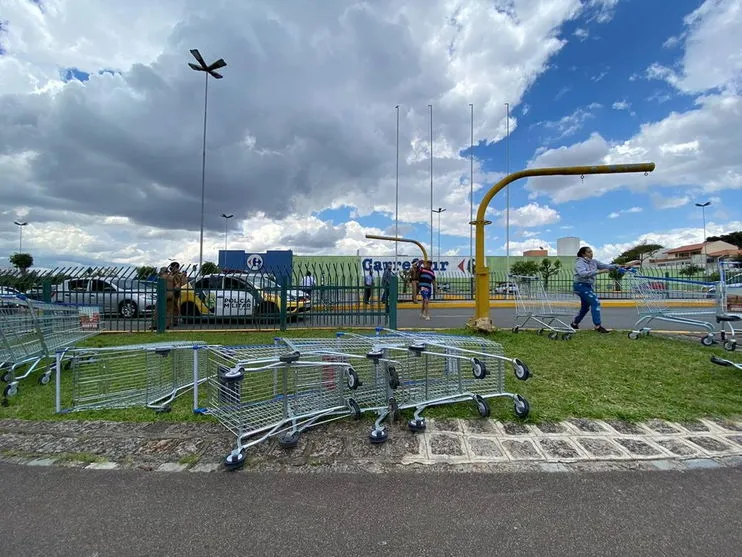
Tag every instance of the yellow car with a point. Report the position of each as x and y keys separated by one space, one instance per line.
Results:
x=239 y=296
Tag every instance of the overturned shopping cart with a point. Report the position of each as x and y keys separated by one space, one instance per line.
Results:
x=653 y=297
x=729 y=302
x=397 y=371
x=148 y=375
x=545 y=308
x=258 y=392
x=32 y=332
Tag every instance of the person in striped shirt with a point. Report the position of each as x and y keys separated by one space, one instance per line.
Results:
x=426 y=285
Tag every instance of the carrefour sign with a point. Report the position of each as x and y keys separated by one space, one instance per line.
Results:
x=450 y=266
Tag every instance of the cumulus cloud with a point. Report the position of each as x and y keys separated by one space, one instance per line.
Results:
x=616 y=214
x=529 y=216
x=303 y=119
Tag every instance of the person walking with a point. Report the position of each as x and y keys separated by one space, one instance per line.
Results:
x=427 y=285
x=386 y=282
x=415 y=278
x=586 y=269
x=179 y=280
x=368 y=284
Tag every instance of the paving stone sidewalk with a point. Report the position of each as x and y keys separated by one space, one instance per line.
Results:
x=448 y=444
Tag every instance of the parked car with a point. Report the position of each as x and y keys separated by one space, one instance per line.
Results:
x=8 y=297
x=734 y=287
x=239 y=295
x=506 y=288
x=126 y=297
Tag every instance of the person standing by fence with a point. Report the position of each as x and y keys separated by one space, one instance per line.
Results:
x=427 y=285
x=415 y=278
x=368 y=285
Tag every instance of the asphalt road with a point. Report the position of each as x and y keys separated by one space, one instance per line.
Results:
x=84 y=513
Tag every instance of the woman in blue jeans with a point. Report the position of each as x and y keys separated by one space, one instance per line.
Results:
x=586 y=269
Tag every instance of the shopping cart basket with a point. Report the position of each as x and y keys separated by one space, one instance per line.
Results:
x=258 y=392
x=546 y=309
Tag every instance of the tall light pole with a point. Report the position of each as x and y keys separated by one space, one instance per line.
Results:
x=507 y=197
x=471 y=193
x=226 y=220
x=209 y=70
x=20 y=224
x=430 y=106
x=703 y=244
x=439 y=210
x=396 y=206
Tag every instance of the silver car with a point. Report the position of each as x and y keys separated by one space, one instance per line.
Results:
x=114 y=296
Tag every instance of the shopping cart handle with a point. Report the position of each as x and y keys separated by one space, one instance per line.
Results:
x=721 y=361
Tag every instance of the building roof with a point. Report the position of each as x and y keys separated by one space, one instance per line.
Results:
x=682 y=249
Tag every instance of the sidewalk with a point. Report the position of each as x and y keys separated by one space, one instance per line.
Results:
x=462 y=445
x=606 y=303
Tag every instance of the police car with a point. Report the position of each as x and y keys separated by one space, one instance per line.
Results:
x=239 y=295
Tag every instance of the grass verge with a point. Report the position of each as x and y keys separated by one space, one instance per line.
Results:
x=591 y=376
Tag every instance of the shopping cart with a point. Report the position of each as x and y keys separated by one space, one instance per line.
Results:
x=150 y=375
x=546 y=309
x=258 y=392
x=652 y=295
x=726 y=363
x=34 y=331
x=729 y=301
x=419 y=370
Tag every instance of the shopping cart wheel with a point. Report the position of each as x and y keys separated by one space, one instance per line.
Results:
x=393 y=378
x=482 y=407
x=7 y=377
x=375 y=354
x=521 y=370
x=553 y=335
x=44 y=379
x=11 y=390
x=353 y=380
x=730 y=345
x=353 y=405
x=566 y=336
x=633 y=335
x=540 y=331
x=521 y=406
x=290 y=357
x=708 y=340
x=235 y=460
x=378 y=436
x=516 y=329
x=478 y=369
x=417 y=348
x=289 y=440
x=417 y=424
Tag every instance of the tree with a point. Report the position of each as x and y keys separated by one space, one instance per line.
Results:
x=548 y=269
x=616 y=275
x=690 y=270
x=640 y=252
x=144 y=272
x=524 y=268
x=22 y=261
x=734 y=238
x=209 y=268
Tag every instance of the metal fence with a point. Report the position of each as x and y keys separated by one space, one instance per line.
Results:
x=137 y=300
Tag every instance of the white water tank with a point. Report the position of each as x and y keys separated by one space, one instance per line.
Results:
x=568 y=246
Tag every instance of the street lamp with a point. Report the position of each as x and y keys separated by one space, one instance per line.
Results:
x=703 y=244
x=209 y=70
x=226 y=220
x=20 y=224
x=439 y=210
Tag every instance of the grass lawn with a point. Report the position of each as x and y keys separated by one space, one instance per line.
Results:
x=590 y=376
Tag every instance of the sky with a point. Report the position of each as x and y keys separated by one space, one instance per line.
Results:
x=101 y=125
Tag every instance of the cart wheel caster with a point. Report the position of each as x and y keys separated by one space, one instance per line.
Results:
x=11 y=390
x=235 y=460
x=478 y=369
x=44 y=379
x=378 y=436
x=417 y=425
x=540 y=332
x=521 y=370
x=7 y=377
x=521 y=406
x=482 y=407
x=354 y=408
x=566 y=336
x=553 y=336
x=707 y=340
x=289 y=440
x=353 y=380
x=516 y=329
x=289 y=357
x=163 y=409
x=730 y=346
x=633 y=335
x=645 y=332
x=393 y=378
